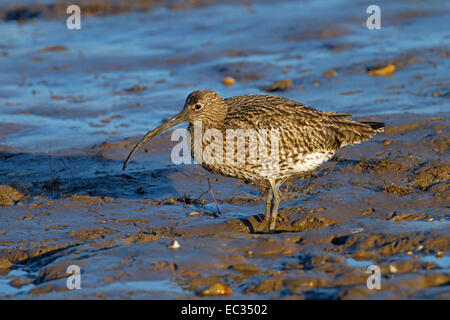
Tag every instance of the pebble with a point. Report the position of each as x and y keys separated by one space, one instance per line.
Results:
x=330 y=73
x=393 y=268
x=281 y=85
x=174 y=245
x=229 y=81
x=217 y=289
x=384 y=71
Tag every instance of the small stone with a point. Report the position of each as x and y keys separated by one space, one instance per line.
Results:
x=281 y=85
x=358 y=230
x=174 y=245
x=383 y=71
x=330 y=73
x=386 y=142
x=392 y=268
x=229 y=81
x=217 y=289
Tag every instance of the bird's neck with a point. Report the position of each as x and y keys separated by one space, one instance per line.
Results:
x=216 y=119
x=200 y=126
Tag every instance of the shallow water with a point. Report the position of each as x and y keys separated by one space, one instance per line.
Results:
x=158 y=285
x=68 y=119
x=171 y=53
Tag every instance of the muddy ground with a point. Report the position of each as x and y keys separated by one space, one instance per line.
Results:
x=73 y=103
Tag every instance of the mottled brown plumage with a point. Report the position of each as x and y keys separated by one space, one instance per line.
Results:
x=307 y=137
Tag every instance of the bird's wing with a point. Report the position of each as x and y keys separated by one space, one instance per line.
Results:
x=300 y=126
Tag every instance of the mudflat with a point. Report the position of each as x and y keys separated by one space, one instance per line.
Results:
x=73 y=104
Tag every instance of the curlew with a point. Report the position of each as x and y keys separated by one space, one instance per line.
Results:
x=305 y=138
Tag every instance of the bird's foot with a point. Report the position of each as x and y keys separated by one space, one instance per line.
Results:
x=271 y=225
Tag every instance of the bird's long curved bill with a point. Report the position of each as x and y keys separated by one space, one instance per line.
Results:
x=179 y=118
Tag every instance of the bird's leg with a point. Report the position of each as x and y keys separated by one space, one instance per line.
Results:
x=269 y=197
x=260 y=227
x=275 y=204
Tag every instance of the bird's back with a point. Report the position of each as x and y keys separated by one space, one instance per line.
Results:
x=306 y=136
x=300 y=125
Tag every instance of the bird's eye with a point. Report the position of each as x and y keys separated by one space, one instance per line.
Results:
x=198 y=106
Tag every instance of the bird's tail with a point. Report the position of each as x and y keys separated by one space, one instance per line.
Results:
x=350 y=132
x=377 y=126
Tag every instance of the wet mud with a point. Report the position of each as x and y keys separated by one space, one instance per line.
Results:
x=70 y=111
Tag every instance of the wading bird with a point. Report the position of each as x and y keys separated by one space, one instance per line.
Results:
x=306 y=138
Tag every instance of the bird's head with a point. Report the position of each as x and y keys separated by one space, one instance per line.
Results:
x=201 y=105
x=205 y=105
